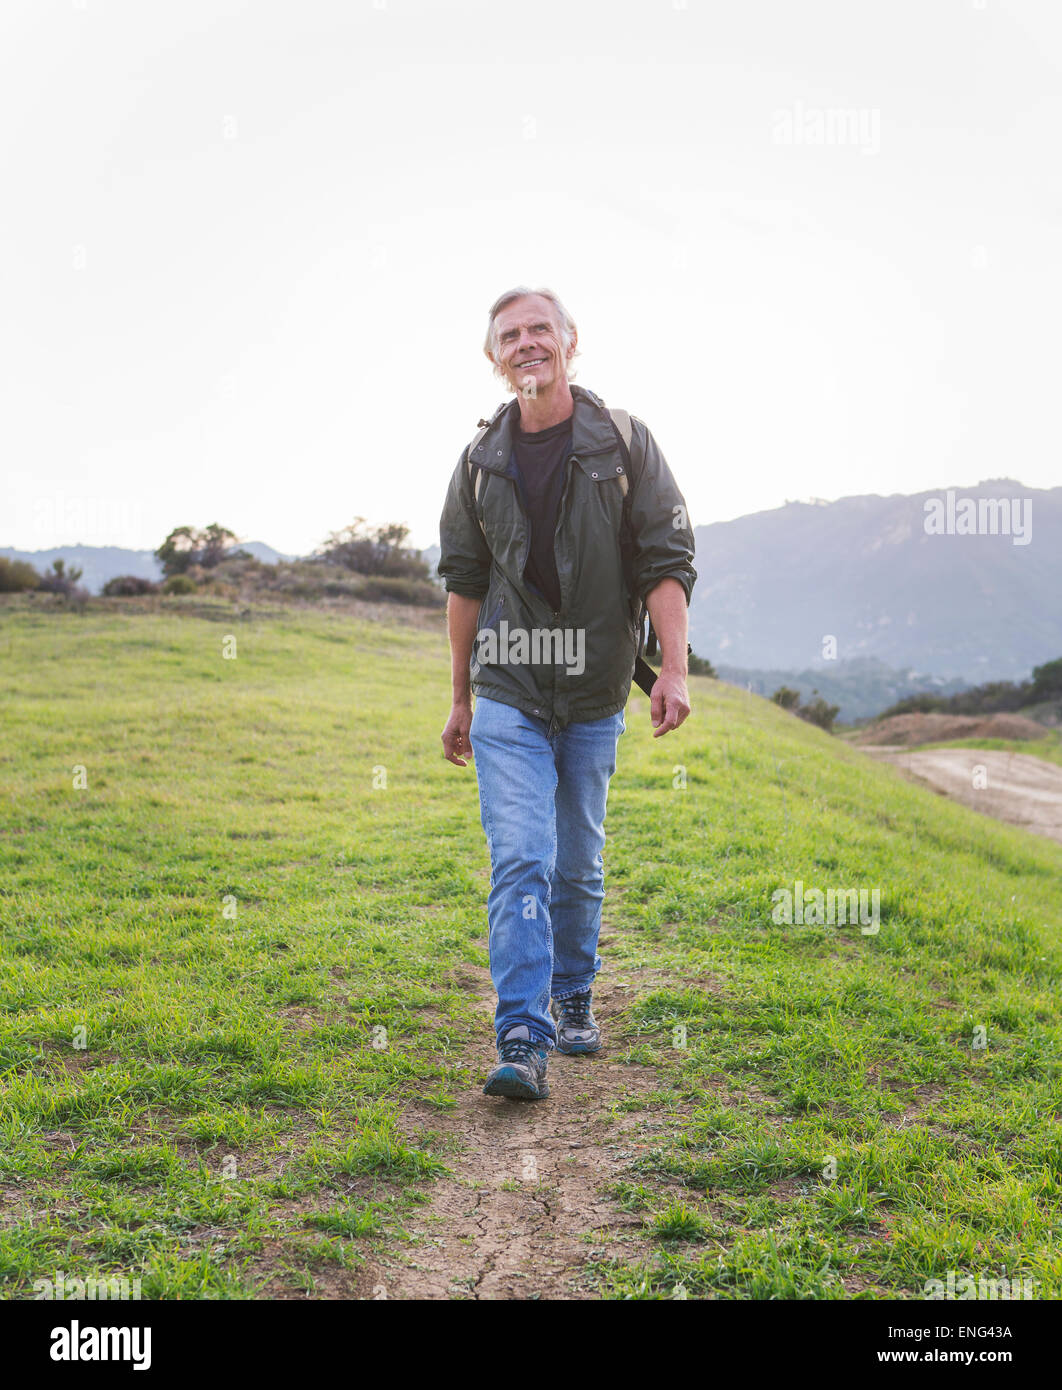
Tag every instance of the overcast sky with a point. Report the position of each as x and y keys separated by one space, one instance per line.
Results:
x=247 y=249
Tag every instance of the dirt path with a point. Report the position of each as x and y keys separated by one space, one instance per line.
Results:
x=1015 y=787
x=526 y=1206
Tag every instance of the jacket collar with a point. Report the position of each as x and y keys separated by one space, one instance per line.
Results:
x=592 y=431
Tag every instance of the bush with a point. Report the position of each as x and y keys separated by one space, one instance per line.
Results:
x=415 y=591
x=128 y=585
x=819 y=712
x=60 y=580
x=699 y=666
x=787 y=697
x=179 y=584
x=816 y=712
x=916 y=704
x=17 y=575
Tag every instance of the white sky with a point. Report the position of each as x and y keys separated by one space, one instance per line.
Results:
x=247 y=249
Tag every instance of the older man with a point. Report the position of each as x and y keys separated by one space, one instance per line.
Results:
x=554 y=534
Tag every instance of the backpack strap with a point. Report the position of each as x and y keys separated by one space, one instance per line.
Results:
x=644 y=675
x=475 y=473
x=621 y=423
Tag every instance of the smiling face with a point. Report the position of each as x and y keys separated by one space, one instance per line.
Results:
x=528 y=345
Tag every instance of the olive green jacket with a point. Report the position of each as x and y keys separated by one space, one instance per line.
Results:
x=575 y=664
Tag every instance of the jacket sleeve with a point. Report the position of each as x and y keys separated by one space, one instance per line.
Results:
x=661 y=531
x=464 y=562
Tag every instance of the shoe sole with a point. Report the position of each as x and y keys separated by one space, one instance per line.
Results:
x=578 y=1049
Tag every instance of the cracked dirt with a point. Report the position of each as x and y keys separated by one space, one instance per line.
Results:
x=526 y=1206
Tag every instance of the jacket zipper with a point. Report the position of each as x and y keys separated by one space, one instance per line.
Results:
x=573 y=460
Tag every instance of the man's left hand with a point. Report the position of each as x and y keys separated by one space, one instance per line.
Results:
x=669 y=703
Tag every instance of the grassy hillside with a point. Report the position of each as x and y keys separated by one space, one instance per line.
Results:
x=263 y=917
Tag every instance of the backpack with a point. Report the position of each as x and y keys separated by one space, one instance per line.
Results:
x=644 y=675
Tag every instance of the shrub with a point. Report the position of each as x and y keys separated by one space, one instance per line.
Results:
x=60 y=580
x=699 y=666
x=415 y=591
x=816 y=711
x=128 y=585
x=17 y=575
x=179 y=584
x=819 y=712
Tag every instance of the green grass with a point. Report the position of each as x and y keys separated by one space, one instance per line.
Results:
x=271 y=862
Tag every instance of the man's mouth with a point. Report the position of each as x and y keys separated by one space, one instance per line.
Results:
x=533 y=362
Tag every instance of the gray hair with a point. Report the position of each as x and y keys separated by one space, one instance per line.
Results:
x=565 y=321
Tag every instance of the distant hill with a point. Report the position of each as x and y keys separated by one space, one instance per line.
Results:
x=431 y=559
x=100 y=563
x=772 y=585
x=861 y=687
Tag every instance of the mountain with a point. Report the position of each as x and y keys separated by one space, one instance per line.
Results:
x=100 y=563
x=774 y=585
x=264 y=552
x=431 y=559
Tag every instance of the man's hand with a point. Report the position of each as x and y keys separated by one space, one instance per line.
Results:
x=455 y=741
x=669 y=703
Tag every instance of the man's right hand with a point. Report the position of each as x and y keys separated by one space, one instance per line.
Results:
x=455 y=741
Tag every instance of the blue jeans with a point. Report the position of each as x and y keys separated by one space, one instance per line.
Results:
x=542 y=802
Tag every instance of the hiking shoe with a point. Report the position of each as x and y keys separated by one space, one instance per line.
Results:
x=577 y=1032
x=521 y=1070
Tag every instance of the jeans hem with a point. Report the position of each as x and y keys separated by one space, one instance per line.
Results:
x=543 y=1043
x=571 y=993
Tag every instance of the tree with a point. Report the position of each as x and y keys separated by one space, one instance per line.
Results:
x=1047 y=680
x=186 y=546
x=214 y=542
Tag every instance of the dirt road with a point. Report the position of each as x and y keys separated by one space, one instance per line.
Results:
x=1012 y=787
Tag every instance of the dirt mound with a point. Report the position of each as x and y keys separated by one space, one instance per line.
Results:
x=907 y=730
x=1014 y=787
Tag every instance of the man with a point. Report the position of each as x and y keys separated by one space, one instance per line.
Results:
x=553 y=534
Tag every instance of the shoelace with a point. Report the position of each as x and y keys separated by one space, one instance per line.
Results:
x=575 y=1010
x=517 y=1050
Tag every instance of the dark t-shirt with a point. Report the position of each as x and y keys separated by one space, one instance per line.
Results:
x=540 y=466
